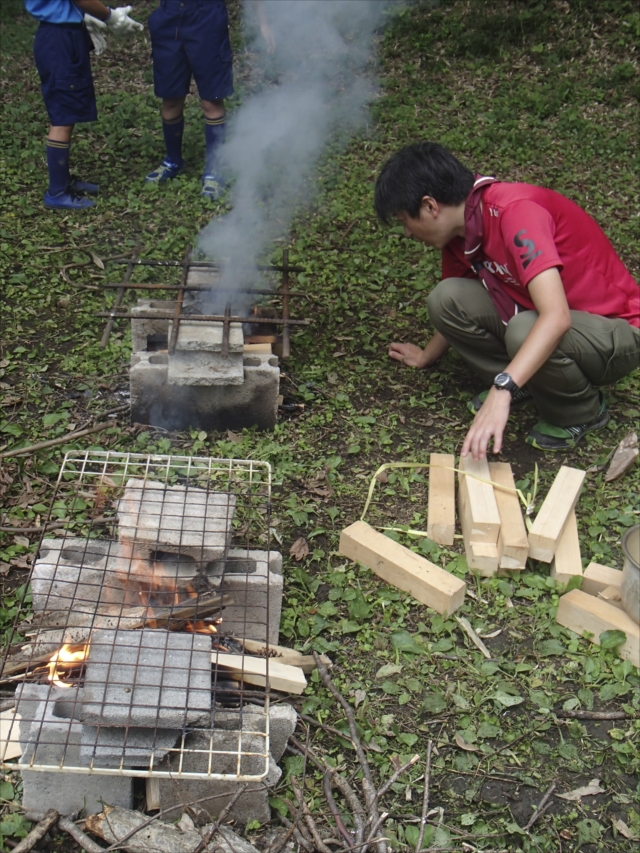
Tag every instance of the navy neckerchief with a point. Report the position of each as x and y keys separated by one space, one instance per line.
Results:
x=473 y=236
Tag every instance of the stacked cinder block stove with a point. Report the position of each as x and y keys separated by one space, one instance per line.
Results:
x=135 y=626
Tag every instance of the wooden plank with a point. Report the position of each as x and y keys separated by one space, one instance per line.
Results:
x=581 y=612
x=482 y=519
x=253 y=670
x=513 y=542
x=481 y=556
x=261 y=349
x=402 y=568
x=567 y=561
x=441 y=512
x=561 y=500
x=152 y=797
x=611 y=594
x=283 y=655
x=598 y=577
x=9 y=735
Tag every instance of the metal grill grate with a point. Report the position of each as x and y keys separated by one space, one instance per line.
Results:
x=131 y=660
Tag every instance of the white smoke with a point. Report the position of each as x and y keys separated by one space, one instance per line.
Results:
x=321 y=86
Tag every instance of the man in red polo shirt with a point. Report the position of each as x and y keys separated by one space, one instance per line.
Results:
x=533 y=295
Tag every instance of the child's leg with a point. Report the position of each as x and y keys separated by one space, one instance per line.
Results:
x=58 y=143
x=214 y=132
x=173 y=127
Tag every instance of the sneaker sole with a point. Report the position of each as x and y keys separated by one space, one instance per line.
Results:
x=569 y=444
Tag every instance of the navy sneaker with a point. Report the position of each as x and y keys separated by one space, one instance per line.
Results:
x=67 y=200
x=166 y=171
x=522 y=397
x=83 y=187
x=212 y=186
x=546 y=436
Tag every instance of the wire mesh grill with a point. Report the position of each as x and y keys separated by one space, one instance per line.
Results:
x=128 y=650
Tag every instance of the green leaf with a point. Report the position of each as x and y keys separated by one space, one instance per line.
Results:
x=6 y=791
x=408 y=739
x=506 y=699
x=404 y=642
x=358 y=608
x=434 y=702
x=411 y=835
x=612 y=639
x=547 y=648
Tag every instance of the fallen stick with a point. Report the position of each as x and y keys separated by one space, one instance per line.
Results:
x=326 y=786
x=38 y=832
x=594 y=715
x=41 y=445
x=383 y=790
x=367 y=780
x=216 y=827
x=121 y=826
x=346 y=790
x=541 y=807
x=319 y=843
x=475 y=639
x=425 y=798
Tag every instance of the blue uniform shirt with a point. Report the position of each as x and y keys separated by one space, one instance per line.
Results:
x=54 y=11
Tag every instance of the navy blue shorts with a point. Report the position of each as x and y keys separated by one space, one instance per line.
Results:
x=62 y=58
x=191 y=38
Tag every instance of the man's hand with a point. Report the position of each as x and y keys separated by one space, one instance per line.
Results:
x=120 y=23
x=488 y=424
x=409 y=354
x=96 y=31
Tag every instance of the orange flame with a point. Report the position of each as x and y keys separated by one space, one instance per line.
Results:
x=58 y=662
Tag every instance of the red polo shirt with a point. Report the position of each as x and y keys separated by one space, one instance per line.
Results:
x=529 y=229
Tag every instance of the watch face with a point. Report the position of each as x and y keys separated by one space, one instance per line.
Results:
x=502 y=379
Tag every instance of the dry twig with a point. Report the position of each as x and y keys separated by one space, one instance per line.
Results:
x=425 y=799
x=543 y=805
x=38 y=832
x=368 y=786
x=319 y=843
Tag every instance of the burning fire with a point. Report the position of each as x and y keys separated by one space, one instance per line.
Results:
x=66 y=658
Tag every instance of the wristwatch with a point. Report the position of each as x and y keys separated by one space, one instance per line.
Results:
x=504 y=382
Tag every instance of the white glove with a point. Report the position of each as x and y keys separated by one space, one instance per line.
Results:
x=96 y=31
x=120 y=23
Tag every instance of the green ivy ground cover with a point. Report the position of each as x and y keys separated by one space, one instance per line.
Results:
x=524 y=90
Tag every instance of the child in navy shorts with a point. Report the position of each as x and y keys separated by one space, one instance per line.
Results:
x=61 y=49
x=190 y=38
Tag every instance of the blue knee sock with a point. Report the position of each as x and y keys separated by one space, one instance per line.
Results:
x=215 y=131
x=173 y=131
x=58 y=166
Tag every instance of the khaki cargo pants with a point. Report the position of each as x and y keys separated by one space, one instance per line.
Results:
x=595 y=351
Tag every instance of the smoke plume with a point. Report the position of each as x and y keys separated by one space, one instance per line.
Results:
x=318 y=88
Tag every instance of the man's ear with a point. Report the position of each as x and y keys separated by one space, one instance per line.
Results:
x=430 y=206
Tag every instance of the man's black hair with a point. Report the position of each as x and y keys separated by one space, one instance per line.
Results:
x=424 y=168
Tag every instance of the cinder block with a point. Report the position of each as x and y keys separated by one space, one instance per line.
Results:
x=204 y=369
x=142 y=330
x=207 y=337
x=252 y=805
x=214 y=407
x=147 y=678
x=52 y=740
x=282 y=723
x=175 y=518
x=257 y=598
x=127 y=747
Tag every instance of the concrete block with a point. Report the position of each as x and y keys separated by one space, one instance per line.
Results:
x=205 y=369
x=282 y=723
x=203 y=276
x=147 y=678
x=34 y=699
x=214 y=407
x=142 y=330
x=253 y=805
x=126 y=747
x=176 y=518
x=257 y=599
x=53 y=740
x=207 y=337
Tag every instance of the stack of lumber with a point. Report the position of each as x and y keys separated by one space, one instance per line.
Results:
x=597 y=607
